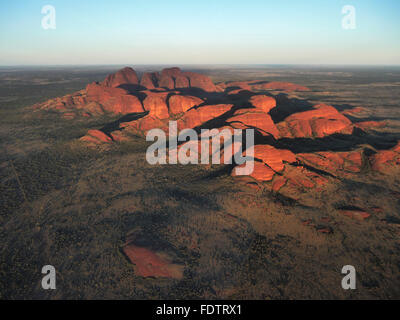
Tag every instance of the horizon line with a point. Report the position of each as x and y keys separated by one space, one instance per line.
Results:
x=202 y=64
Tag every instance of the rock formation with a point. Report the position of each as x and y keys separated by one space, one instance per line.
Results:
x=124 y=76
x=284 y=126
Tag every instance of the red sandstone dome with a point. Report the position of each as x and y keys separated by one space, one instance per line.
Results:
x=123 y=76
x=321 y=121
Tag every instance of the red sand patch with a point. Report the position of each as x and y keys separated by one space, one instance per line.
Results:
x=152 y=264
x=355 y=214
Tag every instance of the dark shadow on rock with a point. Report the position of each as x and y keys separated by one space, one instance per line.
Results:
x=208 y=97
x=140 y=95
x=286 y=107
x=260 y=82
x=230 y=89
x=132 y=88
x=114 y=126
x=242 y=96
x=343 y=107
x=335 y=142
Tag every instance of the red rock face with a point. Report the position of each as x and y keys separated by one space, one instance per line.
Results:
x=319 y=111
x=336 y=163
x=262 y=102
x=124 y=76
x=384 y=160
x=156 y=104
x=171 y=72
x=200 y=81
x=172 y=78
x=150 y=80
x=182 y=82
x=119 y=136
x=355 y=214
x=126 y=104
x=96 y=137
x=98 y=93
x=195 y=117
x=149 y=123
x=365 y=125
x=273 y=157
x=261 y=172
x=167 y=82
x=113 y=100
x=141 y=126
x=326 y=127
x=179 y=104
x=300 y=178
x=258 y=120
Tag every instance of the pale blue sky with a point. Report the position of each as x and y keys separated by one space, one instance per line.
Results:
x=199 y=32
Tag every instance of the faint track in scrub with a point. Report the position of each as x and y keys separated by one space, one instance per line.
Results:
x=16 y=175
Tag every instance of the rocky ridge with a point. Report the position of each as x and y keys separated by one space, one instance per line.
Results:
x=194 y=101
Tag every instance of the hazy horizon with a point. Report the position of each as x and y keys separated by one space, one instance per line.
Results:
x=333 y=65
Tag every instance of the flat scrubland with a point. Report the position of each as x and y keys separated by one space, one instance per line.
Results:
x=74 y=208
